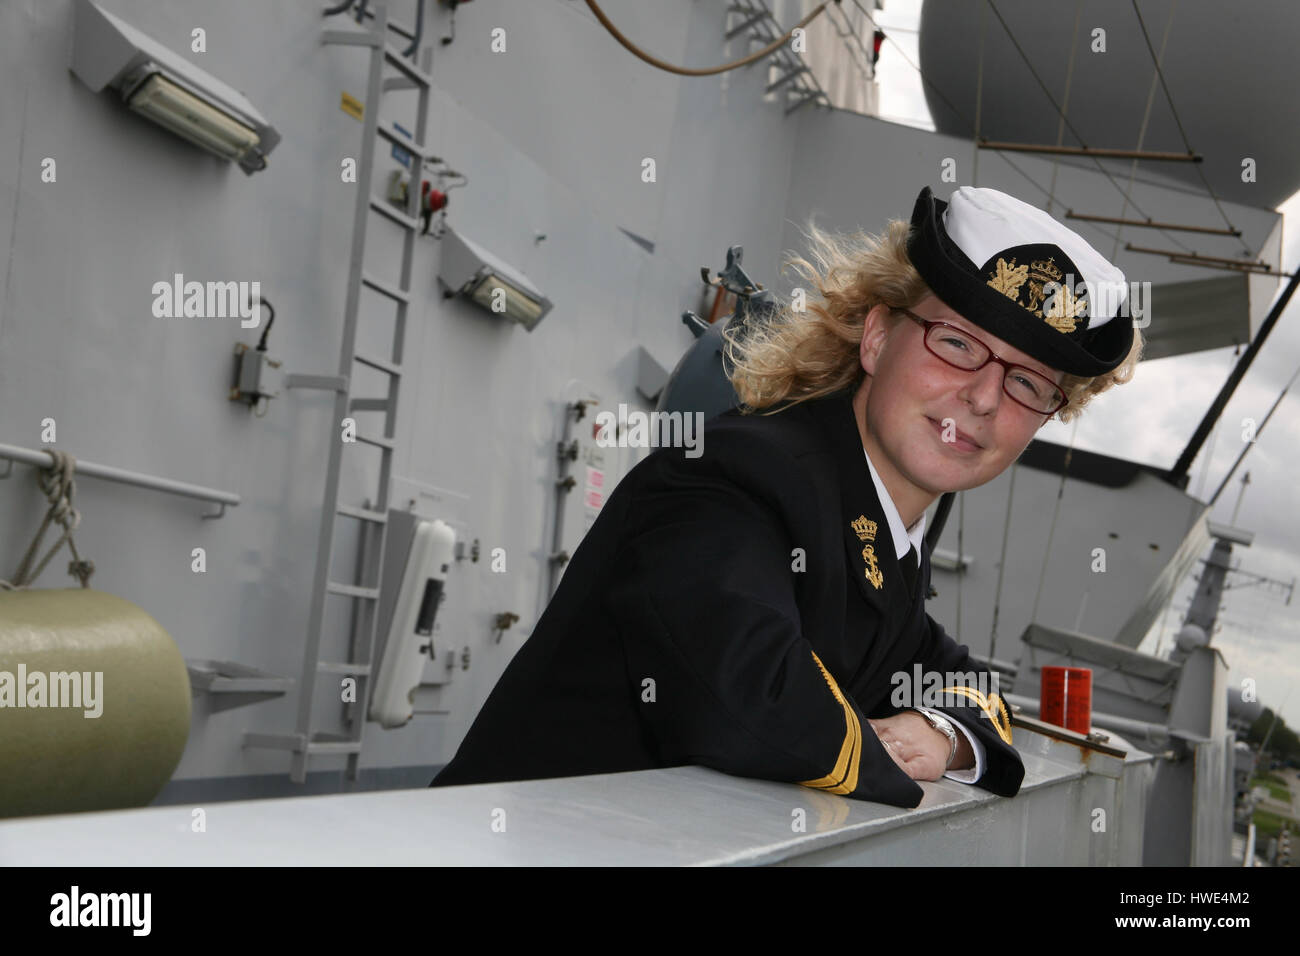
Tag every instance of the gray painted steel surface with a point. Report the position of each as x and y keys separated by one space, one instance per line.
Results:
x=686 y=816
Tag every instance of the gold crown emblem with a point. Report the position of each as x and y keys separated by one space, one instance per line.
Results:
x=1047 y=268
x=864 y=528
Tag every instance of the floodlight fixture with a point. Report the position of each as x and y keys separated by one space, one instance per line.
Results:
x=153 y=81
x=469 y=270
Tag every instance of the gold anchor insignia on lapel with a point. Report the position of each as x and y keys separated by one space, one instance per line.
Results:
x=873 y=569
x=865 y=529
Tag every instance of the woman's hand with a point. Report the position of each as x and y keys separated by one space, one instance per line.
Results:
x=917 y=748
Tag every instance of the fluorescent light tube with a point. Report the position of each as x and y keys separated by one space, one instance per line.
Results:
x=520 y=306
x=180 y=111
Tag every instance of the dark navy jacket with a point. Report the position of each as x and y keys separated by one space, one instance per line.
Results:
x=687 y=629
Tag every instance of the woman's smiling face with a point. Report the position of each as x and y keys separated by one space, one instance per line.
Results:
x=930 y=428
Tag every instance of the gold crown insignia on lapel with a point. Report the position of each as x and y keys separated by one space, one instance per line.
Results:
x=865 y=529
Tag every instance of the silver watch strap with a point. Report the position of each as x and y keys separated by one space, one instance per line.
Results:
x=941 y=723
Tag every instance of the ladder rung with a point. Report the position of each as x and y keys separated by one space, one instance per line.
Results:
x=362 y=514
x=368 y=405
x=745 y=25
x=276 y=741
x=377 y=441
x=406 y=66
x=783 y=80
x=380 y=364
x=334 y=747
x=351 y=590
x=400 y=139
x=392 y=291
x=342 y=667
x=386 y=209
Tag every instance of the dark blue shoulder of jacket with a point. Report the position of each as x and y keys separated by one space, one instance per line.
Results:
x=799 y=428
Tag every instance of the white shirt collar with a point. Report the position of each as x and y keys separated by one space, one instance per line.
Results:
x=901 y=534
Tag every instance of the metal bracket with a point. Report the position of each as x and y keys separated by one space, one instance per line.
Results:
x=330 y=383
x=9 y=469
x=220 y=512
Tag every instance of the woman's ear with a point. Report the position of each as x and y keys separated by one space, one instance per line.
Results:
x=875 y=331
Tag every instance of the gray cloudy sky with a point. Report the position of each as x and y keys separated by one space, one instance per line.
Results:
x=1151 y=418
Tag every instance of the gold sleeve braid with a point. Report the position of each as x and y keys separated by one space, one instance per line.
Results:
x=843 y=778
x=992 y=706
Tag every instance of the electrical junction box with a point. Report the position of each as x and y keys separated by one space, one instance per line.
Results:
x=257 y=376
x=418 y=554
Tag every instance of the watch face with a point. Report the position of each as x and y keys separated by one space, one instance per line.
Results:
x=939 y=722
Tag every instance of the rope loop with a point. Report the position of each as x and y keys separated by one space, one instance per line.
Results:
x=60 y=488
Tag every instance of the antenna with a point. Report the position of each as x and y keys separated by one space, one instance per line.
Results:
x=1245 y=480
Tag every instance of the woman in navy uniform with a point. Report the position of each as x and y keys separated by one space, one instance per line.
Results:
x=751 y=608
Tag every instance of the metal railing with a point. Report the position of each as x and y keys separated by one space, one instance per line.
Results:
x=43 y=459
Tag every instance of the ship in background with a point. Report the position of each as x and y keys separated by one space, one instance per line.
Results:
x=398 y=467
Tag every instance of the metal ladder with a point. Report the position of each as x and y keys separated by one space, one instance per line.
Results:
x=363 y=592
x=800 y=86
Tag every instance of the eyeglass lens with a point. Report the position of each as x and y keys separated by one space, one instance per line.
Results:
x=961 y=351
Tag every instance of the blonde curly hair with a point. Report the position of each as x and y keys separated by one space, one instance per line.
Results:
x=793 y=357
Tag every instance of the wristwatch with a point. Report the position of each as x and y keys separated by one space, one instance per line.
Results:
x=942 y=724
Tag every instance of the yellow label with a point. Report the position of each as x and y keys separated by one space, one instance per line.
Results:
x=352 y=106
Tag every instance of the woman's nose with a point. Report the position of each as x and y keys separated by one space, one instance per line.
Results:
x=984 y=389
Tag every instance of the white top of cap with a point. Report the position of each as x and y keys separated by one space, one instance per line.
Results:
x=984 y=222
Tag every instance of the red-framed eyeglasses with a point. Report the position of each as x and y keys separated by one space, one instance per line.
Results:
x=960 y=349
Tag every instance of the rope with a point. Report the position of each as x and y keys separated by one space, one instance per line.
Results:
x=961 y=571
x=992 y=706
x=1170 y=98
x=979 y=105
x=1065 y=105
x=1048 y=93
x=1002 y=564
x=1056 y=511
x=688 y=71
x=1146 y=119
x=57 y=483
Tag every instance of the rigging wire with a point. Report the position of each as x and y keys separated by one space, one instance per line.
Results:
x=975 y=126
x=962 y=116
x=1181 y=131
x=1048 y=93
x=1056 y=512
x=1002 y=562
x=866 y=54
x=979 y=106
x=908 y=60
x=1248 y=445
x=845 y=35
x=1060 y=127
x=961 y=555
x=705 y=71
x=1146 y=119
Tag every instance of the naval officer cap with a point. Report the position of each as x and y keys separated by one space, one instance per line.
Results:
x=1016 y=272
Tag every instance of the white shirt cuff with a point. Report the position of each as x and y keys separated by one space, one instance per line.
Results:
x=972 y=774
